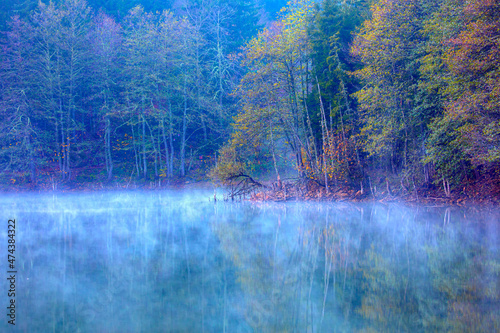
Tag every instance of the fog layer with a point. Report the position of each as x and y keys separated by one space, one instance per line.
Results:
x=177 y=262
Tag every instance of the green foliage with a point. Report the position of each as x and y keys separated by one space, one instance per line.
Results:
x=387 y=45
x=460 y=68
x=339 y=89
x=444 y=149
x=227 y=166
x=308 y=47
x=330 y=31
x=271 y=90
x=81 y=89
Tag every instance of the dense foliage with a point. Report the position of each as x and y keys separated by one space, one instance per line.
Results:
x=354 y=93
x=143 y=94
x=394 y=94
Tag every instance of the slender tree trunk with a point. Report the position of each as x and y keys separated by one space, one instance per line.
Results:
x=71 y=104
x=274 y=154
x=184 y=126
x=136 y=153
x=68 y=145
x=171 y=139
x=325 y=134
x=153 y=144
x=144 y=160
x=58 y=145
x=63 y=141
x=219 y=58
x=313 y=140
x=167 y=156
x=31 y=155
x=107 y=139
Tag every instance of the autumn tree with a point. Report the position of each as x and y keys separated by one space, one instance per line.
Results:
x=222 y=27
x=20 y=131
x=106 y=39
x=389 y=46
x=60 y=36
x=331 y=32
x=468 y=88
x=18 y=8
x=271 y=92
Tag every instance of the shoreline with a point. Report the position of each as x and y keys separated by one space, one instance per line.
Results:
x=453 y=201
x=269 y=194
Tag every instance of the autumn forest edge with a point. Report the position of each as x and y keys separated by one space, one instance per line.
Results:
x=388 y=97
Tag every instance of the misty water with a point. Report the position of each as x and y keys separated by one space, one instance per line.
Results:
x=174 y=261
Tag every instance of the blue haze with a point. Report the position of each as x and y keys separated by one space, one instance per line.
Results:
x=175 y=261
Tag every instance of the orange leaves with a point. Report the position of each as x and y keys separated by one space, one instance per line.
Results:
x=337 y=159
x=305 y=165
x=476 y=49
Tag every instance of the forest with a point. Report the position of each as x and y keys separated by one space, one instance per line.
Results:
x=368 y=98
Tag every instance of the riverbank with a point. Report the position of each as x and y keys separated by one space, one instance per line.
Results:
x=482 y=194
x=51 y=184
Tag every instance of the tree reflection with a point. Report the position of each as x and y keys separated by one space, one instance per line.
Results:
x=163 y=262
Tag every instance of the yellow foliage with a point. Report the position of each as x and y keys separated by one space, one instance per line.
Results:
x=228 y=165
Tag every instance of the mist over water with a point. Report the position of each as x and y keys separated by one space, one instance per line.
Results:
x=174 y=261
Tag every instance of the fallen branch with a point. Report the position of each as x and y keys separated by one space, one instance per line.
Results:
x=242 y=184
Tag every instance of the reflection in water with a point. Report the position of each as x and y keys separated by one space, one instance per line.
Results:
x=175 y=262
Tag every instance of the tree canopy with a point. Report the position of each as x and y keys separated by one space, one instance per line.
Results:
x=400 y=95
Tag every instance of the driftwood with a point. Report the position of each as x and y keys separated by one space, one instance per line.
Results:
x=240 y=185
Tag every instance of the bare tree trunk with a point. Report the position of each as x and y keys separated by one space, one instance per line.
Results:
x=171 y=139
x=314 y=148
x=272 y=144
x=219 y=58
x=153 y=144
x=68 y=145
x=58 y=146
x=31 y=157
x=144 y=160
x=446 y=187
x=136 y=153
x=324 y=133
x=167 y=156
x=107 y=152
x=63 y=141
x=184 y=126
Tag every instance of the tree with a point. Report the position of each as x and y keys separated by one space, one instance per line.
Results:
x=12 y=8
x=461 y=68
x=388 y=46
x=331 y=30
x=158 y=90
x=106 y=40
x=19 y=131
x=475 y=95
x=272 y=89
x=60 y=57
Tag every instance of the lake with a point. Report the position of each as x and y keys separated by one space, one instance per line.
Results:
x=173 y=261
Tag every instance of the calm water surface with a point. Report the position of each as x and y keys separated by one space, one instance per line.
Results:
x=175 y=262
